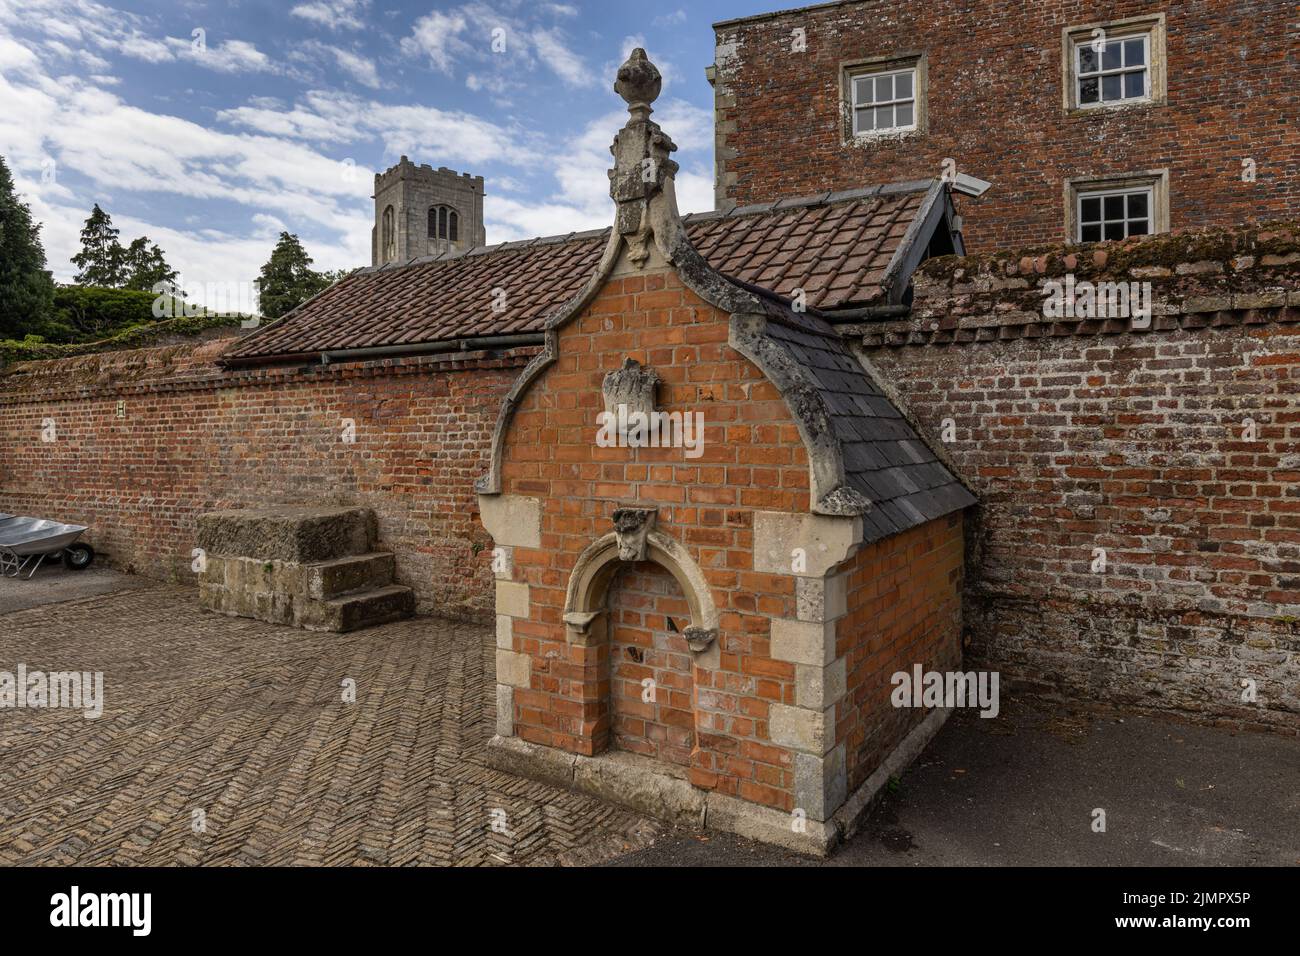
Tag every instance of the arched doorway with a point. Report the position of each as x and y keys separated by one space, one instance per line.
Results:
x=646 y=599
x=652 y=682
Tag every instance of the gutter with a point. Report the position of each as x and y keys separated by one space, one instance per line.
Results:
x=843 y=316
x=390 y=351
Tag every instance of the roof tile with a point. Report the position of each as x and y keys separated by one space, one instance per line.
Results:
x=833 y=246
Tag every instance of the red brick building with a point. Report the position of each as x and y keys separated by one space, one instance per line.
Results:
x=1090 y=120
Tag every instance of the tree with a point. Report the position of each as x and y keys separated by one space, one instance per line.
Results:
x=100 y=260
x=287 y=280
x=144 y=266
x=26 y=289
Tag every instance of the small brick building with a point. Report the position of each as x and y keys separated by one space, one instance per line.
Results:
x=710 y=636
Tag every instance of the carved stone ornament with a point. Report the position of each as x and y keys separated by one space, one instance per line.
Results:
x=631 y=527
x=643 y=172
x=632 y=386
x=699 y=638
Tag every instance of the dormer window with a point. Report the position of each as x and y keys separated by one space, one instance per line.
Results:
x=444 y=223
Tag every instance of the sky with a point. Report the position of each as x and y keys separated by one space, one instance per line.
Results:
x=212 y=127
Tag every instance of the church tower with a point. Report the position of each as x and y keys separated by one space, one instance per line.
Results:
x=422 y=211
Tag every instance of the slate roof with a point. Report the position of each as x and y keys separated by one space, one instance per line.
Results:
x=885 y=460
x=837 y=247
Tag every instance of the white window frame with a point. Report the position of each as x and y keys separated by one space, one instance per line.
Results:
x=873 y=75
x=1073 y=39
x=1122 y=71
x=1103 y=194
x=1153 y=182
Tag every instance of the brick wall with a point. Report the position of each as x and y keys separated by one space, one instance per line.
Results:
x=995 y=107
x=753 y=459
x=904 y=600
x=194 y=438
x=1087 y=434
x=1077 y=435
x=644 y=645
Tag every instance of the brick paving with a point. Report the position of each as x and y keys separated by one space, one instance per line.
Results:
x=245 y=722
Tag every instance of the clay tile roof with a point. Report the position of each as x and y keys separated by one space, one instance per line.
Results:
x=834 y=246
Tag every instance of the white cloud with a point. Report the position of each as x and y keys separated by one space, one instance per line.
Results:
x=336 y=118
x=359 y=67
x=231 y=56
x=501 y=47
x=16 y=58
x=437 y=36
x=87 y=24
x=140 y=47
x=670 y=19
x=566 y=64
x=335 y=14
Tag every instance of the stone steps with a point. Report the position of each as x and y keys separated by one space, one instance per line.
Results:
x=360 y=609
x=311 y=568
x=357 y=572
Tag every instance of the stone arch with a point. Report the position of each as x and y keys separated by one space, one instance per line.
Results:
x=584 y=602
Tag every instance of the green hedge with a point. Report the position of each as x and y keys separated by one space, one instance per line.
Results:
x=90 y=314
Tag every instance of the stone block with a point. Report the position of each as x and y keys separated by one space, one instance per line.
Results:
x=505 y=710
x=803 y=642
x=512 y=599
x=298 y=534
x=512 y=520
x=799 y=728
x=513 y=669
x=816 y=687
x=820 y=783
x=822 y=542
x=822 y=599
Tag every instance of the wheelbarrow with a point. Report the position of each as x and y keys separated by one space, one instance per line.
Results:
x=28 y=542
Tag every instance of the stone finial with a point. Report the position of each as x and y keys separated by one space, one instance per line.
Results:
x=641 y=182
x=638 y=82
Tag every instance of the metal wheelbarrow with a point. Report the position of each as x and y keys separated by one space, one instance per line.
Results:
x=29 y=541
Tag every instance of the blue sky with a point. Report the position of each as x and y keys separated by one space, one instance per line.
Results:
x=212 y=126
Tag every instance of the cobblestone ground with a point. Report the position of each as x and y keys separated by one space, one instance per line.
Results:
x=245 y=722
